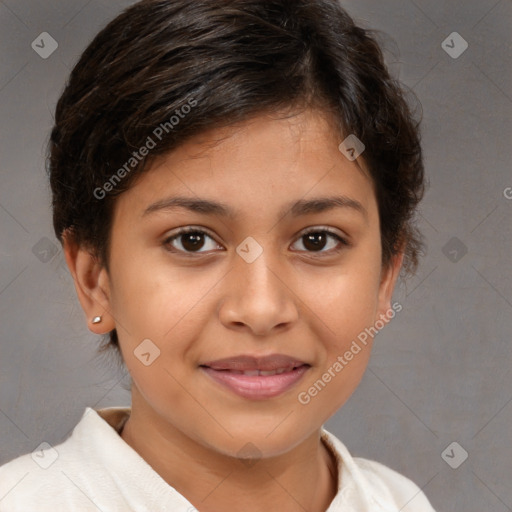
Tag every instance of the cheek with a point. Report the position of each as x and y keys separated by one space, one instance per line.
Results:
x=153 y=299
x=345 y=304
x=345 y=300
x=346 y=312
x=346 y=316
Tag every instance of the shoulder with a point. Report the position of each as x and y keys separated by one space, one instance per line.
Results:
x=34 y=481
x=94 y=469
x=378 y=486
x=66 y=473
x=390 y=486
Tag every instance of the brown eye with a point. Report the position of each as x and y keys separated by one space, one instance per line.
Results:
x=317 y=240
x=191 y=240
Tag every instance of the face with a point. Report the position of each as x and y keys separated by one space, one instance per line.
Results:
x=275 y=284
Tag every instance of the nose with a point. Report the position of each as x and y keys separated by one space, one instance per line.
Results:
x=259 y=298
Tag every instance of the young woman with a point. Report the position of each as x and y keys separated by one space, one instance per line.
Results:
x=234 y=185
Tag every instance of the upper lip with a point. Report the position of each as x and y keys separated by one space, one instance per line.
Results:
x=247 y=363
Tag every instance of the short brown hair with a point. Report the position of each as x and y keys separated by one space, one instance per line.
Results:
x=234 y=59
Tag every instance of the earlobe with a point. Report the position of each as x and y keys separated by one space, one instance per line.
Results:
x=92 y=285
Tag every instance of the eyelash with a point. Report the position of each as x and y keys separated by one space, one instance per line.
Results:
x=183 y=231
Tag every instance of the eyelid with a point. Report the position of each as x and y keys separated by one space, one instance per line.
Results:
x=191 y=228
x=327 y=229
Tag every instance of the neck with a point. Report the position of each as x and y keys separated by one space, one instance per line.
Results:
x=305 y=478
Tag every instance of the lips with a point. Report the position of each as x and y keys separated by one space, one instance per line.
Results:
x=256 y=377
x=247 y=363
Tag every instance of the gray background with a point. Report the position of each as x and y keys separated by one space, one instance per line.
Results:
x=440 y=372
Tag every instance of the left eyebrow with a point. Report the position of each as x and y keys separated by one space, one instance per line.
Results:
x=296 y=208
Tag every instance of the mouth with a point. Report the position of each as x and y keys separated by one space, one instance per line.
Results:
x=256 y=378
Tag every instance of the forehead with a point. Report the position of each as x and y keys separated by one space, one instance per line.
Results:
x=261 y=164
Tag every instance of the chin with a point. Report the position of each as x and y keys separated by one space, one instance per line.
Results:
x=258 y=441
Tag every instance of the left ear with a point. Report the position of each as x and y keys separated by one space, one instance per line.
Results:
x=389 y=276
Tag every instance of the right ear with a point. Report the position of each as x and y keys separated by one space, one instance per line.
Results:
x=92 y=284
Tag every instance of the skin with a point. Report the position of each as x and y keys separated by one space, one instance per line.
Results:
x=195 y=307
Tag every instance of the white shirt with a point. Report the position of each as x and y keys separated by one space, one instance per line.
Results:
x=96 y=470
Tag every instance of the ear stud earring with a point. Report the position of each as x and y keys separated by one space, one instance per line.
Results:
x=96 y=320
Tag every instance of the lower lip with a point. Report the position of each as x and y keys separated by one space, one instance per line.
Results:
x=257 y=387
